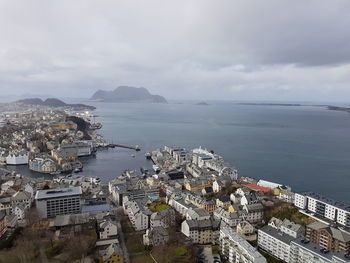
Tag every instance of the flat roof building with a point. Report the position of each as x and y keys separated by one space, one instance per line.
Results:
x=59 y=201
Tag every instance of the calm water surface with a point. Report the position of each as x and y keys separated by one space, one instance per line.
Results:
x=305 y=147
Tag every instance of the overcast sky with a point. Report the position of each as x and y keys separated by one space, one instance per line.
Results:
x=240 y=50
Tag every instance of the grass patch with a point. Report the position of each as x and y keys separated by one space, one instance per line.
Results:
x=286 y=210
x=173 y=253
x=134 y=244
x=215 y=249
x=158 y=206
x=8 y=258
x=144 y=258
x=8 y=243
x=55 y=249
x=126 y=226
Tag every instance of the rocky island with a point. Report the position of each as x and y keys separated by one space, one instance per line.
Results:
x=127 y=94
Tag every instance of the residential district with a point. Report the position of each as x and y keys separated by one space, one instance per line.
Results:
x=191 y=207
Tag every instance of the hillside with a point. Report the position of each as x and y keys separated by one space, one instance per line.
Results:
x=127 y=94
x=52 y=102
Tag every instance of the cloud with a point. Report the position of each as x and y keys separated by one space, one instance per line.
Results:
x=274 y=49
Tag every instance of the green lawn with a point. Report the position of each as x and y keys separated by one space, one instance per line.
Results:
x=156 y=206
x=144 y=258
x=8 y=258
x=134 y=244
x=126 y=226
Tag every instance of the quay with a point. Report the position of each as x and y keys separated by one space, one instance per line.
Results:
x=112 y=145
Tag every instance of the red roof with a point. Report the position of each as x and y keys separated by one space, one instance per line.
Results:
x=258 y=188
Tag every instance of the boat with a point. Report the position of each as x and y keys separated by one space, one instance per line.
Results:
x=148 y=155
x=77 y=170
x=144 y=170
x=156 y=168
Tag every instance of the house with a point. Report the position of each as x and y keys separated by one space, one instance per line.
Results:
x=19 y=211
x=227 y=218
x=254 y=212
x=112 y=254
x=164 y=218
x=221 y=182
x=139 y=215
x=258 y=188
x=156 y=236
x=251 y=198
x=223 y=201
x=197 y=214
x=107 y=228
x=22 y=197
x=3 y=223
x=207 y=190
x=245 y=228
x=210 y=205
x=204 y=231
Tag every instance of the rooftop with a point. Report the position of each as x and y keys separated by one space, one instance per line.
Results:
x=58 y=192
x=327 y=200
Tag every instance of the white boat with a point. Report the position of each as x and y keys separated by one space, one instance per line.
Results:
x=156 y=168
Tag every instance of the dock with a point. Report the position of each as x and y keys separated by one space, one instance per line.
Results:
x=135 y=148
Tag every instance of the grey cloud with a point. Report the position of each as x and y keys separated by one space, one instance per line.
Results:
x=274 y=49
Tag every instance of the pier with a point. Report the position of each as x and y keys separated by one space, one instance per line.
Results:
x=112 y=145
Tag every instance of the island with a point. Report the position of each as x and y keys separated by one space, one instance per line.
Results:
x=202 y=103
x=56 y=103
x=127 y=94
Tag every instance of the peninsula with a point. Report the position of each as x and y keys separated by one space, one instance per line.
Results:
x=127 y=94
x=56 y=103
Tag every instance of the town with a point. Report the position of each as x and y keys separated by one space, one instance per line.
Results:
x=191 y=207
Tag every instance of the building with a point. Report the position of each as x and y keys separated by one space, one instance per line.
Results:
x=254 y=212
x=197 y=214
x=164 y=218
x=204 y=231
x=245 y=228
x=275 y=242
x=59 y=201
x=227 y=218
x=236 y=249
x=139 y=215
x=302 y=250
x=82 y=148
x=322 y=207
x=156 y=236
x=328 y=237
x=3 y=223
x=17 y=158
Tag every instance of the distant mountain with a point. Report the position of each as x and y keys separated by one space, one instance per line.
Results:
x=52 y=102
x=127 y=94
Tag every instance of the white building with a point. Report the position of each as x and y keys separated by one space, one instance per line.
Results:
x=139 y=216
x=323 y=207
x=107 y=229
x=197 y=214
x=17 y=158
x=302 y=251
x=275 y=242
x=236 y=249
